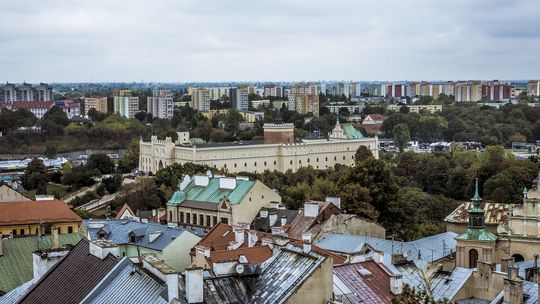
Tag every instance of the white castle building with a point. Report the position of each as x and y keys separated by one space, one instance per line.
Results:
x=279 y=151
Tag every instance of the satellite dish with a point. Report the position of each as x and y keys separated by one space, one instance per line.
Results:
x=239 y=268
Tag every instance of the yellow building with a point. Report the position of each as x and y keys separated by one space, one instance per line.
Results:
x=37 y=217
x=100 y=104
x=468 y=91
x=417 y=108
x=304 y=103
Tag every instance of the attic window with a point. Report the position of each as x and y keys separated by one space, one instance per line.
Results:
x=364 y=272
x=132 y=239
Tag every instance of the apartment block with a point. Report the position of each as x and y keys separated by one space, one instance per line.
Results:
x=160 y=104
x=125 y=104
x=239 y=99
x=468 y=91
x=304 y=103
x=200 y=99
x=533 y=88
x=100 y=104
x=497 y=91
x=10 y=93
x=273 y=90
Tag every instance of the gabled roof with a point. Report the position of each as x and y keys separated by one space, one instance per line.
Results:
x=212 y=192
x=284 y=273
x=120 y=231
x=368 y=282
x=125 y=209
x=302 y=224
x=440 y=285
x=35 y=212
x=429 y=248
x=72 y=278
x=221 y=235
x=8 y=194
x=255 y=255
x=263 y=223
x=16 y=263
x=351 y=132
x=126 y=282
x=375 y=117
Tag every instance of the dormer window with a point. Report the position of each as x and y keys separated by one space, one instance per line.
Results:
x=132 y=239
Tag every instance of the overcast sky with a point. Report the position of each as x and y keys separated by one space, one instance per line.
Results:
x=236 y=40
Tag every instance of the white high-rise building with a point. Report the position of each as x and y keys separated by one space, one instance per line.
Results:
x=200 y=99
x=160 y=105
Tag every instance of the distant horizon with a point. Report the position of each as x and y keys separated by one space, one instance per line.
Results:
x=185 y=41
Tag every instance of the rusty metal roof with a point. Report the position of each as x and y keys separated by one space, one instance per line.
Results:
x=496 y=213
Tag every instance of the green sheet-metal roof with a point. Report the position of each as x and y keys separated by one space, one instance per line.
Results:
x=212 y=193
x=477 y=235
x=16 y=263
x=351 y=132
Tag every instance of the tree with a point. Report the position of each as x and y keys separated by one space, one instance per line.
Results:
x=401 y=136
x=35 y=176
x=50 y=151
x=130 y=160
x=142 y=195
x=54 y=120
x=140 y=116
x=101 y=162
x=171 y=175
x=362 y=154
x=112 y=183
x=79 y=176
x=404 y=110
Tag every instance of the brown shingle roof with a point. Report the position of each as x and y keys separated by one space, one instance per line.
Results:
x=496 y=213
x=255 y=255
x=35 y=212
x=302 y=224
x=370 y=289
x=71 y=279
x=219 y=237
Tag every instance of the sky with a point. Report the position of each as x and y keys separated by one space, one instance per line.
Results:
x=259 y=40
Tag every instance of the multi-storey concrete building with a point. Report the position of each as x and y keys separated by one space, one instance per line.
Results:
x=279 y=151
x=125 y=104
x=239 y=99
x=396 y=90
x=533 y=88
x=100 y=104
x=497 y=91
x=417 y=108
x=160 y=104
x=303 y=103
x=10 y=93
x=200 y=99
x=273 y=90
x=468 y=91
x=377 y=89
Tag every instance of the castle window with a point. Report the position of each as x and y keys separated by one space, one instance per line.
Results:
x=308 y=160
x=245 y=164
x=291 y=162
x=274 y=163
x=255 y=164
x=335 y=158
x=326 y=159
x=317 y=159
x=473 y=258
x=235 y=165
x=265 y=164
x=343 y=157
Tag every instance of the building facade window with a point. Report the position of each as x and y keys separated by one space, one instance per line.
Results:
x=181 y=217
x=208 y=223
x=70 y=229
x=225 y=220
x=188 y=218
x=194 y=219
x=201 y=219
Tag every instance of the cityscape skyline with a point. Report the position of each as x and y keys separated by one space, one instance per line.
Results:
x=168 y=41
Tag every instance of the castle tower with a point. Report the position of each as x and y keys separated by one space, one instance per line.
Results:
x=476 y=244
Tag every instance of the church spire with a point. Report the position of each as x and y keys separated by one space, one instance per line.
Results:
x=476 y=213
x=476 y=198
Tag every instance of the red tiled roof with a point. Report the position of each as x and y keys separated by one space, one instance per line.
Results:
x=496 y=213
x=302 y=224
x=371 y=289
x=32 y=104
x=221 y=235
x=255 y=255
x=35 y=212
x=375 y=117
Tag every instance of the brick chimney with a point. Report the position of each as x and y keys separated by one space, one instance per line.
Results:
x=272 y=218
x=283 y=220
x=263 y=213
x=194 y=285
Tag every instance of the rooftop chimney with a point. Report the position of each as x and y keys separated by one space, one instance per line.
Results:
x=311 y=209
x=263 y=213
x=396 y=284
x=267 y=242
x=275 y=205
x=505 y=263
x=238 y=237
x=43 y=260
x=202 y=251
x=252 y=238
x=334 y=200
x=55 y=243
x=227 y=183
x=283 y=220
x=156 y=266
x=378 y=256
x=272 y=218
x=102 y=248
x=306 y=239
x=513 y=287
